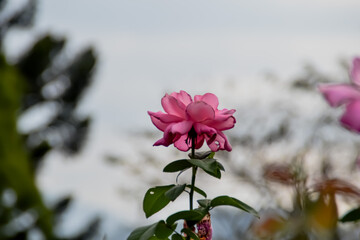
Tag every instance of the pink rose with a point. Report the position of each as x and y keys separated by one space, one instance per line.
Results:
x=200 y=119
x=348 y=94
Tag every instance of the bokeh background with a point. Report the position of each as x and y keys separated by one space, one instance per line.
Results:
x=88 y=71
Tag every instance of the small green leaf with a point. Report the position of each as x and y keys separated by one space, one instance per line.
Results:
x=188 y=215
x=221 y=167
x=143 y=233
x=201 y=155
x=174 y=192
x=163 y=231
x=205 y=203
x=198 y=190
x=177 y=237
x=155 y=199
x=178 y=165
x=230 y=201
x=210 y=166
x=351 y=216
x=190 y=233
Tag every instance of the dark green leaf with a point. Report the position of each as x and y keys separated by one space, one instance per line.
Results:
x=202 y=155
x=155 y=199
x=203 y=211
x=205 y=203
x=198 y=190
x=220 y=166
x=351 y=216
x=174 y=192
x=163 y=231
x=37 y=59
x=178 y=165
x=230 y=201
x=189 y=215
x=143 y=233
x=190 y=233
x=210 y=166
x=177 y=237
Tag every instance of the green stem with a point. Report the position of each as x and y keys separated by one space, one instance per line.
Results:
x=194 y=169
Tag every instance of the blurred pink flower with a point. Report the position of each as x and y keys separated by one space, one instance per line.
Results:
x=204 y=228
x=348 y=94
x=337 y=186
x=200 y=119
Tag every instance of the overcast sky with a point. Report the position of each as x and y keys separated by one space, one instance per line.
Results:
x=147 y=47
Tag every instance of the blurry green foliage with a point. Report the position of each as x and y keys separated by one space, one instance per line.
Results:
x=43 y=76
x=16 y=178
x=59 y=85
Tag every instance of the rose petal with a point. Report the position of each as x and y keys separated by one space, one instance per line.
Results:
x=355 y=71
x=200 y=111
x=165 y=118
x=203 y=129
x=351 y=117
x=181 y=143
x=211 y=139
x=172 y=106
x=208 y=98
x=339 y=94
x=162 y=120
x=226 y=111
x=181 y=127
x=162 y=141
x=215 y=144
x=182 y=97
x=199 y=141
x=223 y=124
x=169 y=136
x=224 y=114
x=159 y=124
x=227 y=145
x=219 y=143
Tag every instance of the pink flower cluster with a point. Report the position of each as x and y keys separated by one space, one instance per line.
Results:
x=204 y=228
x=348 y=95
x=185 y=120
